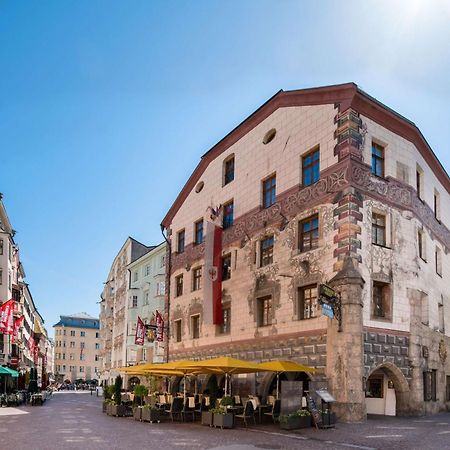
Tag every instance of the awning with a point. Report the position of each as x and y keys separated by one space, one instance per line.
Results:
x=7 y=371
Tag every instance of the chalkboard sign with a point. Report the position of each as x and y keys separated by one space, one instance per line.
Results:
x=315 y=415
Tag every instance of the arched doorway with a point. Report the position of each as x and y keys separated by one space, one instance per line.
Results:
x=386 y=390
x=132 y=382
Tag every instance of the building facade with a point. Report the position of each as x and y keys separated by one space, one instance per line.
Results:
x=323 y=185
x=77 y=348
x=147 y=290
x=27 y=349
x=114 y=309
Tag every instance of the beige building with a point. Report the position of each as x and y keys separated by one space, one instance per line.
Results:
x=114 y=306
x=77 y=348
x=323 y=185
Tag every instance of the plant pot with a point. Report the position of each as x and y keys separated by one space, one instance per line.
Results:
x=207 y=418
x=223 y=420
x=291 y=423
x=109 y=409
x=104 y=405
x=119 y=410
x=137 y=413
x=305 y=422
x=150 y=415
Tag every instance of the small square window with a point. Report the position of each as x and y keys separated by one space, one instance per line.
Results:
x=195 y=320
x=178 y=285
x=379 y=229
x=308 y=234
x=197 y=279
x=226 y=267
x=177 y=330
x=377 y=160
x=307 y=302
x=311 y=167
x=198 y=232
x=269 y=192
x=228 y=170
x=228 y=215
x=180 y=241
x=266 y=251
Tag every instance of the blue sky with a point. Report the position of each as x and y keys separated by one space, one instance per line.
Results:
x=107 y=106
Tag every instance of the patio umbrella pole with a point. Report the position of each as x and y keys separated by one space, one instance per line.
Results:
x=278 y=384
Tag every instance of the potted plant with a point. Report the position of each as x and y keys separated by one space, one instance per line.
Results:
x=150 y=414
x=207 y=418
x=140 y=391
x=221 y=418
x=117 y=408
x=109 y=404
x=107 y=393
x=226 y=401
x=295 y=420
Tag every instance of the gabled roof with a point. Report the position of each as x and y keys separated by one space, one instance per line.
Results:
x=347 y=95
x=79 y=320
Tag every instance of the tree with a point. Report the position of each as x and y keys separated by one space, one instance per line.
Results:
x=118 y=390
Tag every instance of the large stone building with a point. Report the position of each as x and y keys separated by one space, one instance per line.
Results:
x=323 y=185
x=114 y=308
x=29 y=348
x=77 y=348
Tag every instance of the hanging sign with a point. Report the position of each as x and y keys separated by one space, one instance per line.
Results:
x=326 y=292
x=140 y=332
x=159 y=327
x=327 y=310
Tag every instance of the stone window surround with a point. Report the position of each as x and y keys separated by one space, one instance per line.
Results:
x=386 y=280
x=299 y=283
x=388 y=226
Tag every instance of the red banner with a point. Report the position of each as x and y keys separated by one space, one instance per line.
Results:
x=140 y=332
x=15 y=333
x=159 y=327
x=6 y=317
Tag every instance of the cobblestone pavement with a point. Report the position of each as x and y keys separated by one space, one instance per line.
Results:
x=75 y=421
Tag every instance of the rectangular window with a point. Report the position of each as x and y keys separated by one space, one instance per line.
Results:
x=429 y=385
x=197 y=279
x=178 y=285
x=97 y=346
x=147 y=270
x=147 y=298
x=228 y=171
x=72 y=344
x=420 y=244
x=198 y=233
x=307 y=302
x=163 y=261
x=419 y=181
x=441 y=317
x=82 y=344
x=72 y=332
x=377 y=160
x=381 y=300
x=135 y=275
x=269 y=194
x=264 y=306
x=266 y=251
x=97 y=334
x=438 y=261
x=226 y=267
x=180 y=241
x=228 y=215
x=308 y=232
x=437 y=205
x=71 y=356
x=82 y=333
x=1 y=246
x=134 y=302
x=226 y=321
x=1 y=276
x=160 y=288
x=311 y=167
x=81 y=369
x=378 y=229
x=177 y=330
x=195 y=321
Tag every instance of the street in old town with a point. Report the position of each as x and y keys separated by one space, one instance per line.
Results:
x=73 y=420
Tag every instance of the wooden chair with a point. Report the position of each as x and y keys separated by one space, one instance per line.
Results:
x=176 y=408
x=249 y=413
x=275 y=413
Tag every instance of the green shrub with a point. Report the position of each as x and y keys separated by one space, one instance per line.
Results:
x=218 y=410
x=140 y=391
x=118 y=390
x=226 y=401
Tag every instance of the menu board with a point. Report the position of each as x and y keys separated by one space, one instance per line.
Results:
x=315 y=415
x=325 y=396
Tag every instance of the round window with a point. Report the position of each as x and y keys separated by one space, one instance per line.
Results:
x=269 y=136
x=199 y=186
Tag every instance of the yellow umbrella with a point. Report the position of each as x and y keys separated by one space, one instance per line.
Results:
x=280 y=366
x=227 y=366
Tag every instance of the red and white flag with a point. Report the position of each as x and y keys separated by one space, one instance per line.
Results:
x=16 y=327
x=212 y=290
x=6 y=317
x=159 y=327
x=140 y=332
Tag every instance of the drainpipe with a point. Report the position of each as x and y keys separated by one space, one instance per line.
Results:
x=168 y=272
